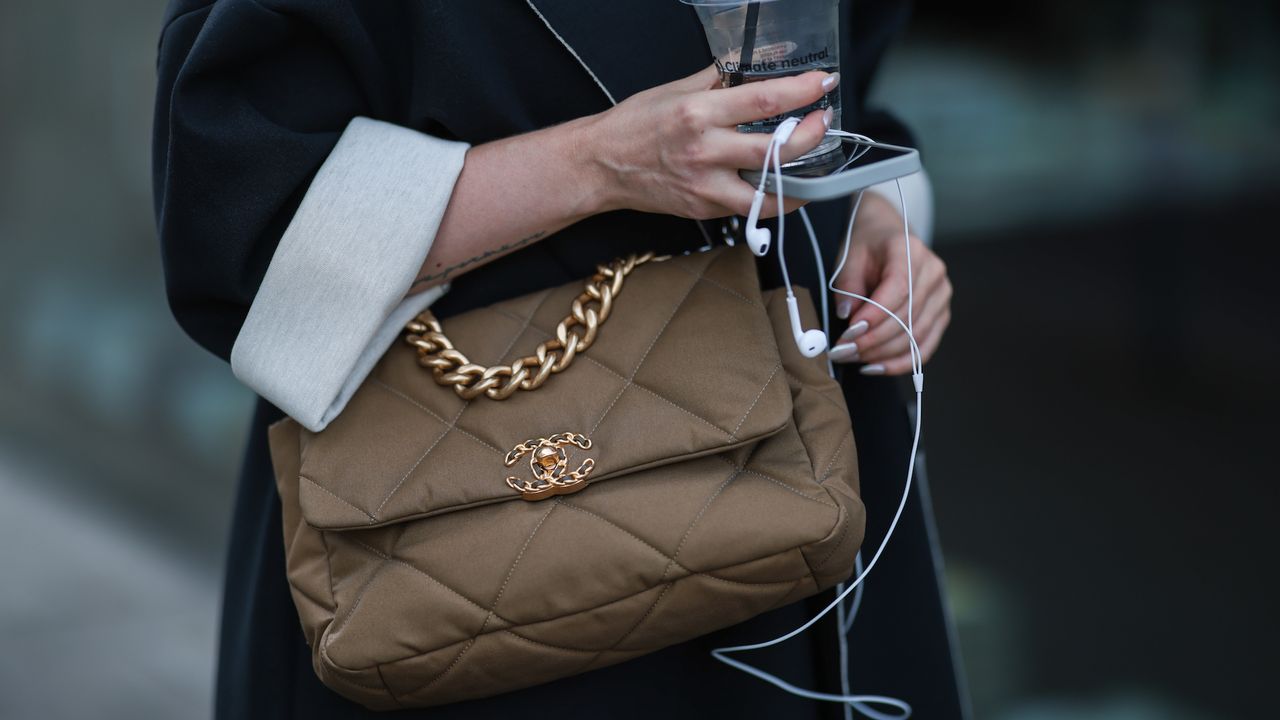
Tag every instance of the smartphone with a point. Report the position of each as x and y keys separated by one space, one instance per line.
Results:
x=855 y=166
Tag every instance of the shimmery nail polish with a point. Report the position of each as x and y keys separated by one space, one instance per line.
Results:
x=854 y=331
x=875 y=369
x=840 y=354
x=830 y=81
x=844 y=306
x=845 y=349
x=826 y=117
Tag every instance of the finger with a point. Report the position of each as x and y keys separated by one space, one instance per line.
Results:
x=727 y=147
x=789 y=205
x=873 y=350
x=891 y=292
x=894 y=292
x=769 y=98
x=901 y=364
x=727 y=188
x=746 y=151
x=729 y=191
x=853 y=279
x=896 y=345
x=807 y=135
x=705 y=79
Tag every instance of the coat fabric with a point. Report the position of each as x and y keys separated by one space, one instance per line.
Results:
x=254 y=94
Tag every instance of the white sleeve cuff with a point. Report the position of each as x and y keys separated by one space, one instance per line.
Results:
x=334 y=296
x=918 y=192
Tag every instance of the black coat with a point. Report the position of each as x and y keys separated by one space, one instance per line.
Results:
x=253 y=95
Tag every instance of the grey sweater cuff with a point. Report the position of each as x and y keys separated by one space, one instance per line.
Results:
x=334 y=296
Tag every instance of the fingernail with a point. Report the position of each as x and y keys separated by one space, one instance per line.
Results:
x=874 y=369
x=854 y=331
x=844 y=306
x=830 y=81
x=845 y=352
x=826 y=118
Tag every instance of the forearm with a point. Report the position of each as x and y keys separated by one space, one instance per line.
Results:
x=512 y=193
x=672 y=149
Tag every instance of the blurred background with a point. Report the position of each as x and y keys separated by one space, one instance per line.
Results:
x=1106 y=176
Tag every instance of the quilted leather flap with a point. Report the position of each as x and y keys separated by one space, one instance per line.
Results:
x=684 y=366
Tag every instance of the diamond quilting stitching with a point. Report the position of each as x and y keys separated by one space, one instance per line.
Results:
x=405 y=563
x=340 y=499
x=779 y=483
x=672 y=559
x=346 y=618
x=826 y=472
x=745 y=415
x=701 y=573
x=492 y=607
x=405 y=396
x=452 y=424
x=766 y=589
x=649 y=390
x=418 y=462
x=502 y=358
x=642 y=386
x=645 y=356
x=672 y=562
x=719 y=286
x=624 y=531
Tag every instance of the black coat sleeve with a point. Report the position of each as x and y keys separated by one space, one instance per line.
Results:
x=873 y=25
x=252 y=96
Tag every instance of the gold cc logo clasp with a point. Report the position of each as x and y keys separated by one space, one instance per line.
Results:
x=549 y=464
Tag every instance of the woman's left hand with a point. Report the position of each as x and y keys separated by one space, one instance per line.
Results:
x=877 y=268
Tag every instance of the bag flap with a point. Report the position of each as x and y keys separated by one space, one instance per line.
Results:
x=685 y=365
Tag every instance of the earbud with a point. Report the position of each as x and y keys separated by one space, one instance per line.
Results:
x=783 y=132
x=810 y=342
x=757 y=237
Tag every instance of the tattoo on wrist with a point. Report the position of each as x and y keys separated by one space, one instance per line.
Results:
x=500 y=250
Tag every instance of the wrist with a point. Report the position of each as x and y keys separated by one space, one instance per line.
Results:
x=877 y=216
x=593 y=155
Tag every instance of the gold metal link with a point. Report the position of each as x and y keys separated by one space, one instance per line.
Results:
x=550 y=466
x=573 y=335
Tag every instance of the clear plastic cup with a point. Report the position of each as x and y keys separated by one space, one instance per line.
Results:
x=762 y=39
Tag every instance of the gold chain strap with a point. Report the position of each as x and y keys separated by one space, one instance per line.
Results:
x=590 y=309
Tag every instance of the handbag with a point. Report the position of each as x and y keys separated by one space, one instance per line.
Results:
x=666 y=463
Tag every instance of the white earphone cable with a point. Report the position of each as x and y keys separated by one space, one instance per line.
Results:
x=860 y=703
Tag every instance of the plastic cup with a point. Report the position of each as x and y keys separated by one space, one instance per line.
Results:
x=762 y=39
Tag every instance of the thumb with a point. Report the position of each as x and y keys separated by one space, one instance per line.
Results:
x=852 y=278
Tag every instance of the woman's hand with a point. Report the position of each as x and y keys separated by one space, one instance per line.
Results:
x=877 y=268
x=675 y=149
x=672 y=149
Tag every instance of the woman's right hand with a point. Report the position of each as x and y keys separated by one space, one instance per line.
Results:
x=675 y=149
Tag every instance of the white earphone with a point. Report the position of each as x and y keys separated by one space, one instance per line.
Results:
x=758 y=237
x=810 y=342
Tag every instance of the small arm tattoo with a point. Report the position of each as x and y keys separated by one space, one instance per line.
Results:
x=453 y=269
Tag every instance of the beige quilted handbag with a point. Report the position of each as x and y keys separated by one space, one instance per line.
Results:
x=633 y=484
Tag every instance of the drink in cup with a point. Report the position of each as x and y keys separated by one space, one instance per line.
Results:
x=763 y=39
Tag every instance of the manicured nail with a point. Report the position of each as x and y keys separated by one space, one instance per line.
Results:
x=826 y=118
x=854 y=331
x=845 y=352
x=875 y=369
x=830 y=81
x=844 y=306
